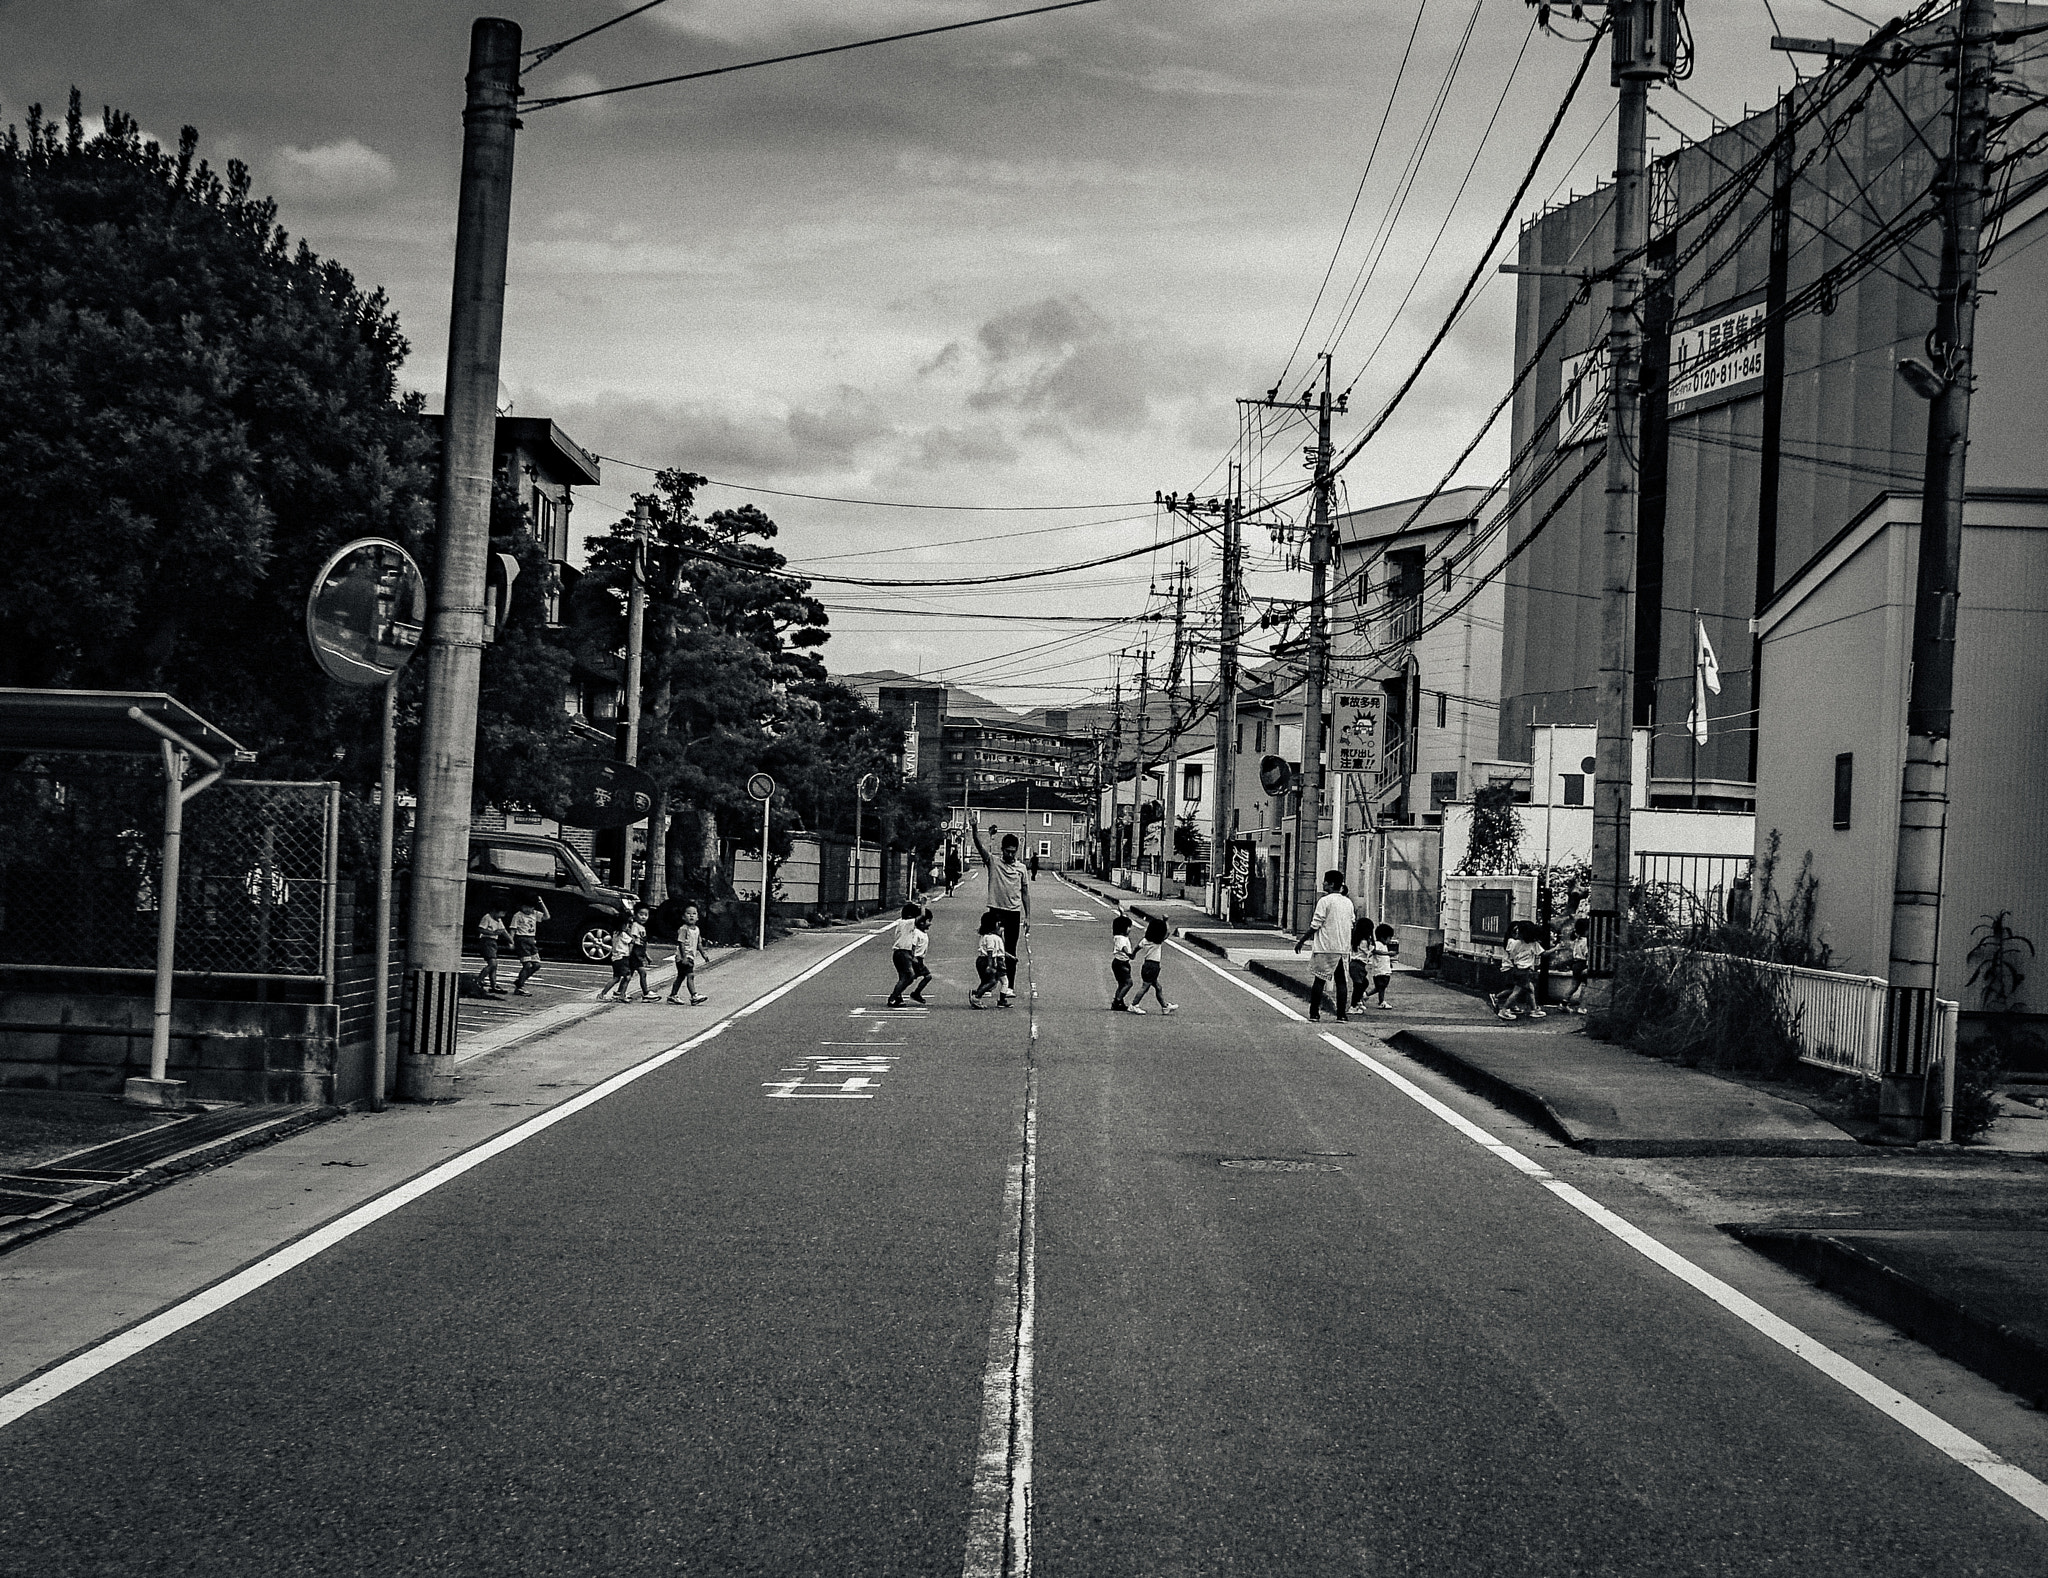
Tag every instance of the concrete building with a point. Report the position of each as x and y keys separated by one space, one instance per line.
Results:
x=1442 y=685
x=1757 y=449
x=1835 y=642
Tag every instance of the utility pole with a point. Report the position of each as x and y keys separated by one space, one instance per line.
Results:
x=629 y=679
x=1923 y=794
x=454 y=656
x=1308 y=823
x=1138 y=773
x=1644 y=52
x=1223 y=791
x=1116 y=769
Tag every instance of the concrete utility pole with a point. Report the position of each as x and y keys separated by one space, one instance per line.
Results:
x=1116 y=769
x=1138 y=773
x=1923 y=794
x=1308 y=880
x=1223 y=791
x=1643 y=53
x=629 y=678
x=455 y=640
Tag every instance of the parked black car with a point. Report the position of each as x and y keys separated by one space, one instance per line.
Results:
x=582 y=911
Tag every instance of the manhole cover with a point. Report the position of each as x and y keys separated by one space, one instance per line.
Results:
x=1280 y=1164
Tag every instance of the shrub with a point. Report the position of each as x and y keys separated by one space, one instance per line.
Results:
x=1693 y=1007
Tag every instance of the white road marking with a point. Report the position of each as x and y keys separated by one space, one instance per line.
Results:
x=80 y=1368
x=1937 y=1432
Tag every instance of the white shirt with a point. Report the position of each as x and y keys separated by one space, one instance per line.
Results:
x=901 y=933
x=1335 y=916
x=920 y=939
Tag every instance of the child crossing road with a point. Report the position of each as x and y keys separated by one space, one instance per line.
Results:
x=1149 y=951
x=1120 y=955
x=689 y=949
x=903 y=953
x=991 y=961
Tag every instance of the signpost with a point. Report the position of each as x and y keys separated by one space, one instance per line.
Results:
x=364 y=619
x=762 y=788
x=868 y=787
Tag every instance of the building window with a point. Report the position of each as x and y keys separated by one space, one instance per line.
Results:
x=1443 y=788
x=1048 y=819
x=1191 y=783
x=1574 y=788
x=1260 y=747
x=1443 y=709
x=1845 y=775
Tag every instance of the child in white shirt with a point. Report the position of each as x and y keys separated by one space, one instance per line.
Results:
x=991 y=961
x=1120 y=955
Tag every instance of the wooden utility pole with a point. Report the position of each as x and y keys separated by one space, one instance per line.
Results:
x=1923 y=796
x=455 y=640
x=1138 y=775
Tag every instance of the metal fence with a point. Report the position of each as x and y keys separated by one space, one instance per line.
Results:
x=1694 y=888
x=1845 y=1023
x=81 y=864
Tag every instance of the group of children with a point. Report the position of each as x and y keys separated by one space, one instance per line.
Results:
x=1122 y=952
x=910 y=939
x=1528 y=945
x=629 y=952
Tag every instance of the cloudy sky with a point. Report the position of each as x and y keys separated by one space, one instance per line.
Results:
x=1027 y=267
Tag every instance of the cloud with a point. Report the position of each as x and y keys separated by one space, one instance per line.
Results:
x=1064 y=363
x=333 y=172
x=726 y=442
x=818 y=22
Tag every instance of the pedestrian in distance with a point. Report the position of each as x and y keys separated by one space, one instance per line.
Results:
x=1156 y=933
x=525 y=929
x=903 y=951
x=689 y=949
x=952 y=867
x=1523 y=950
x=989 y=960
x=919 y=945
x=1034 y=865
x=1121 y=953
x=1329 y=928
x=1009 y=898
x=491 y=935
x=1578 y=952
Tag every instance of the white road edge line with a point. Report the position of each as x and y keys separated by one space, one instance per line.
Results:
x=1937 y=1432
x=80 y=1368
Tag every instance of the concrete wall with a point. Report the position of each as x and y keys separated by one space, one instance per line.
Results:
x=1838 y=659
x=224 y=1051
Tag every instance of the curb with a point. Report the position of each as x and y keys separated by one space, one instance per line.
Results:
x=2009 y=1358
x=1512 y=1098
x=146 y=1180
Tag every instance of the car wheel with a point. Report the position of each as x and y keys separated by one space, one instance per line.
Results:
x=594 y=943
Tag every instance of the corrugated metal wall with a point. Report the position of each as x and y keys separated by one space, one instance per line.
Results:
x=1850 y=428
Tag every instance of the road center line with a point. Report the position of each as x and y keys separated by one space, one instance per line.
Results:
x=1937 y=1432
x=60 y=1378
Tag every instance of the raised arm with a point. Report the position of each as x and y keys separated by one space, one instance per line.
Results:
x=980 y=848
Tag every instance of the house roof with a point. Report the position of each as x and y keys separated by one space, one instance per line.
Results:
x=566 y=460
x=1452 y=507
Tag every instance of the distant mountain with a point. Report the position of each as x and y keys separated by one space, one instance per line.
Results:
x=959 y=703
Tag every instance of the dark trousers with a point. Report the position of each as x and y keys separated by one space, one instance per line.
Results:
x=1012 y=923
x=908 y=968
x=991 y=974
x=1315 y=994
x=1121 y=969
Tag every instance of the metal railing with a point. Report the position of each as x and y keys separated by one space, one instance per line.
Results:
x=1705 y=881
x=1393 y=765
x=1847 y=1022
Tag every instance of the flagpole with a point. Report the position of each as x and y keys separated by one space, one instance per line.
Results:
x=1699 y=699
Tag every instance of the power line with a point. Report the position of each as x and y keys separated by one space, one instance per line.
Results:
x=802 y=54
x=882 y=504
x=549 y=51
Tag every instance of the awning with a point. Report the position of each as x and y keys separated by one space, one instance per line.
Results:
x=108 y=722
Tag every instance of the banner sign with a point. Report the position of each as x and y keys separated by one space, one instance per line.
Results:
x=1717 y=359
x=1356 y=746
x=1240 y=872
x=1583 y=382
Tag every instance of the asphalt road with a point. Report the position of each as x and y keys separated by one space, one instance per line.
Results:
x=758 y=1310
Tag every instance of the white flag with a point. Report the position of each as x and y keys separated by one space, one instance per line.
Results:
x=1706 y=676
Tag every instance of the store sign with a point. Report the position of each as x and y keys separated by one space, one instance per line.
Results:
x=1717 y=359
x=1240 y=871
x=1582 y=418
x=1356 y=748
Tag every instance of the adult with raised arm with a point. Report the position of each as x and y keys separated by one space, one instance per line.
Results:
x=1009 y=900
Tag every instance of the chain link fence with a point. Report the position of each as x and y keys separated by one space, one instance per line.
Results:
x=81 y=868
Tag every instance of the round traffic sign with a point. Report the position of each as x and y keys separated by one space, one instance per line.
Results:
x=761 y=786
x=367 y=612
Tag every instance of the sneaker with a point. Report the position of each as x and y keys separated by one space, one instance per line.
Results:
x=1119 y=1008
x=1173 y=1008
x=974 y=1000
x=696 y=1001
x=1134 y=1009
x=1537 y=1013
x=520 y=991
x=1493 y=1000
x=1386 y=1005
x=1343 y=1019
x=1315 y=1019
x=1505 y=1014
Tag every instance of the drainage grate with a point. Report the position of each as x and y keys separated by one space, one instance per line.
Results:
x=1279 y=1164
